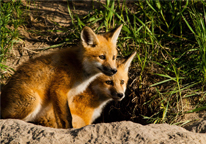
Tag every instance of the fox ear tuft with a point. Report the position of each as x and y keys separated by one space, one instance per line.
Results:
x=128 y=61
x=88 y=37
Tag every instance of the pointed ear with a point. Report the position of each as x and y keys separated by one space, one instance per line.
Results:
x=114 y=34
x=128 y=61
x=88 y=37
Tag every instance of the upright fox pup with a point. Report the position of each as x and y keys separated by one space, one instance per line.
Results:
x=87 y=106
x=53 y=80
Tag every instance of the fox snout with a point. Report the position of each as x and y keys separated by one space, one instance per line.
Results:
x=109 y=71
x=118 y=96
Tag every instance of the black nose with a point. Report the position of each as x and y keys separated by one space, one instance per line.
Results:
x=120 y=95
x=113 y=71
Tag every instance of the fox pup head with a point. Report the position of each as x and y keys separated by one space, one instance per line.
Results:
x=99 y=51
x=114 y=86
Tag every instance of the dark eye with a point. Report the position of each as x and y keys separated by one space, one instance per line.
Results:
x=113 y=57
x=102 y=57
x=109 y=82
x=122 y=82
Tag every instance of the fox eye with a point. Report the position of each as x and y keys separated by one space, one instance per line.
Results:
x=109 y=82
x=102 y=57
x=122 y=82
x=113 y=57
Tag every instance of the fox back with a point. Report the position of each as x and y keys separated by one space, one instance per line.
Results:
x=54 y=79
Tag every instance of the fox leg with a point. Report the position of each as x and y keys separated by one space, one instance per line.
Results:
x=20 y=106
x=61 y=109
x=48 y=119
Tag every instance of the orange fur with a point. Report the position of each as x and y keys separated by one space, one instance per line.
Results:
x=50 y=81
x=86 y=107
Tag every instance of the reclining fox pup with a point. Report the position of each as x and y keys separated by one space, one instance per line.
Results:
x=51 y=82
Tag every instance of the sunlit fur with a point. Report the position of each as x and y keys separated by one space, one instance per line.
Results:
x=56 y=78
x=88 y=106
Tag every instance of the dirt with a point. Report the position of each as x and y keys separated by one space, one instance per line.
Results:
x=17 y=131
x=41 y=17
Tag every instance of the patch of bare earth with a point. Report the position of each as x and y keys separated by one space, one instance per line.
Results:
x=17 y=131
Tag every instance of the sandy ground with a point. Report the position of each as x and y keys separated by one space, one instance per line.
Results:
x=17 y=131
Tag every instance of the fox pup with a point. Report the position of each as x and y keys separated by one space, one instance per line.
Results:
x=88 y=106
x=55 y=79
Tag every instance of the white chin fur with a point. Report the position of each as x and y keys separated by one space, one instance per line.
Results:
x=91 y=67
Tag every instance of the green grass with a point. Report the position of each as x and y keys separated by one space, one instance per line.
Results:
x=10 y=20
x=170 y=40
x=169 y=35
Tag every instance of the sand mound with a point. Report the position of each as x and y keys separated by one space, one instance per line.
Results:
x=17 y=131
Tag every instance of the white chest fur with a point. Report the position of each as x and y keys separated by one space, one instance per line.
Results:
x=98 y=111
x=79 y=87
